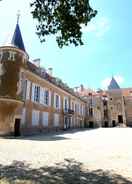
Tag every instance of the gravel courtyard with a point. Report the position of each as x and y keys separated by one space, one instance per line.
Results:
x=102 y=156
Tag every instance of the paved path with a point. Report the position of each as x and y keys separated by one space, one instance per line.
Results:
x=102 y=150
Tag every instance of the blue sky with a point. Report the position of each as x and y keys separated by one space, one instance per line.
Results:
x=107 y=49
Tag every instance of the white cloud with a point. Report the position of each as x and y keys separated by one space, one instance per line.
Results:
x=98 y=27
x=106 y=81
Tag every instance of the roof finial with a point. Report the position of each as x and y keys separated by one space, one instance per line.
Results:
x=18 y=16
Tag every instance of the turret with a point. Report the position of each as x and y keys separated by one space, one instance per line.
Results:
x=12 y=59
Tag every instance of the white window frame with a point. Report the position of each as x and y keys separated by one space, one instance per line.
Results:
x=23 y=116
x=12 y=55
x=66 y=104
x=45 y=119
x=56 y=120
x=28 y=85
x=35 y=117
x=57 y=106
x=36 y=93
x=46 y=98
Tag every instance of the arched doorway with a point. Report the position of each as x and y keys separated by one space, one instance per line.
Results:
x=17 y=127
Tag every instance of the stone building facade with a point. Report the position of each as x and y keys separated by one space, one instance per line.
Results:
x=31 y=99
x=109 y=108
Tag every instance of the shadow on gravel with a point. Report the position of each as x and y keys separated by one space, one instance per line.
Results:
x=69 y=172
x=49 y=136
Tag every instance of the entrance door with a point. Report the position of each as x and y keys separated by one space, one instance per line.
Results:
x=106 y=124
x=65 y=123
x=120 y=119
x=17 y=127
x=113 y=123
x=91 y=124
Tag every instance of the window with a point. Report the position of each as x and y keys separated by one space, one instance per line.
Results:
x=45 y=119
x=56 y=120
x=12 y=56
x=25 y=85
x=35 y=117
x=78 y=108
x=28 y=89
x=104 y=102
x=46 y=97
x=23 y=117
x=90 y=111
x=65 y=104
x=75 y=107
x=119 y=107
x=57 y=101
x=72 y=107
x=91 y=101
x=36 y=93
x=82 y=110
x=106 y=113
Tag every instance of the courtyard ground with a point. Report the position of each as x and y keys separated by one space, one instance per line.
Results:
x=102 y=156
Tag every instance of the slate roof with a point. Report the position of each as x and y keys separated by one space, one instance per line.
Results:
x=36 y=70
x=113 y=84
x=17 y=40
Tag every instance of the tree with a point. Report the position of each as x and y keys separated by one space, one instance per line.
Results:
x=62 y=18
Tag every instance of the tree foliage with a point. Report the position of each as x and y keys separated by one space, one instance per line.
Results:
x=62 y=18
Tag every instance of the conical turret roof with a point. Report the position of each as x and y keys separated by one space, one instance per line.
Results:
x=17 y=40
x=113 y=84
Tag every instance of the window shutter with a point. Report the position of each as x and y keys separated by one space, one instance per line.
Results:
x=33 y=88
x=49 y=98
x=28 y=90
x=23 y=117
x=68 y=103
x=54 y=100
x=64 y=103
x=41 y=95
x=59 y=102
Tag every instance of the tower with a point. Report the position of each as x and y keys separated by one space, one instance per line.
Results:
x=116 y=104
x=13 y=59
x=113 y=84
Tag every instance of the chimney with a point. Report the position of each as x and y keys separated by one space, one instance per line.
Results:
x=36 y=62
x=50 y=71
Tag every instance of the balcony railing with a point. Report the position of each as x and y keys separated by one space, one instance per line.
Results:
x=68 y=111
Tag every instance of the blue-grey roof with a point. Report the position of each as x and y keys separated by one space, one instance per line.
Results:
x=17 y=40
x=113 y=84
